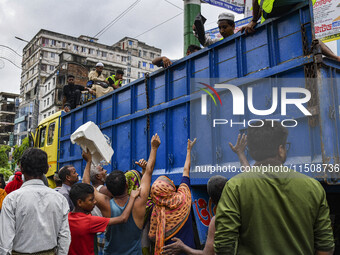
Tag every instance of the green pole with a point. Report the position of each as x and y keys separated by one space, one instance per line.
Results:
x=191 y=9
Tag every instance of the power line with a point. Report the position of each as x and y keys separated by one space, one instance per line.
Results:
x=122 y=14
x=174 y=5
x=158 y=25
x=11 y=62
x=10 y=49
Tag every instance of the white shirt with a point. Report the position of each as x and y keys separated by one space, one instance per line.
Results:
x=34 y=218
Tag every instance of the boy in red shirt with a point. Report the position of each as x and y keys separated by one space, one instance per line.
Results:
x=83 y=225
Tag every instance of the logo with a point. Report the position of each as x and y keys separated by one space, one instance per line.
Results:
x=238 y=102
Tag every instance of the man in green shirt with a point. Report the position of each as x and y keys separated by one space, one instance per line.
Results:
x=270 y=209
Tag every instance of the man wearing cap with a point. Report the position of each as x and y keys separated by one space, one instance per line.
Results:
x=226 y=26
x=97 y=76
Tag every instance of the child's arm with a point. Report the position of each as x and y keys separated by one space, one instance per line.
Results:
x=126 y=214
x=239 y=149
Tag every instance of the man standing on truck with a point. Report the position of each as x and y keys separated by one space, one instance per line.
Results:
x=226 y=27
x=124 y=239
x=33 y=219
x=276 y=8
x=271 y=209
x=71 y=94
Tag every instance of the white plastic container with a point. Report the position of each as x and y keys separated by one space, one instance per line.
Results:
x=89 y=136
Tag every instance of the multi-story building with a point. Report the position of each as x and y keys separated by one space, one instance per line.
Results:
x=42 y=62
x=8 y=105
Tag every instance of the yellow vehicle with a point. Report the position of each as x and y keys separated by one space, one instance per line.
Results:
x=46 y=139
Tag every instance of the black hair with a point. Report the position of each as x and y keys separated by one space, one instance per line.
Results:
x=120 y=72
x=215 y=187
x=64 y=171
x=2 y=182
x=230 y=22
x=70 y=76
x=116 y=183
x=264 y=141
x=34 y=162
x=192 y=48
x=80 y=191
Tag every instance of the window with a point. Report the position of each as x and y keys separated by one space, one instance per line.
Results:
x=152 y=55
x=129 y=69
x=53 y=80
x=144 y=53
x=98 y=52
x=139 y=64
x=49 y=113
x=45 y=54
x=151 y=66
x=44 y=41
x=83 y=49
x=75 y=47
x=63 y=45
x=52 y=55
x=49 y=86
x=138 y=74
x=130 y=42
x=91 y=51
x=52 y=112
x=104 y=54
x=124 y=59
x=52 y=99
x=50 y=134
x=48 y=101
x=42 y=137
x=45 y=88
x=144 y=64
x=43 y=67
x=44 y=116
x=139 y=53
x=51 y=68
x=44 y=102
x=53 y=42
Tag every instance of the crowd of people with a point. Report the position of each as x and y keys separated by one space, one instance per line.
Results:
x=258 y=212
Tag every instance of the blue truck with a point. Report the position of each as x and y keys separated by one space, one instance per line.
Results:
x=281 y=51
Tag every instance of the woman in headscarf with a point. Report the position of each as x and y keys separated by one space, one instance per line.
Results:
x=171 y=215
x=15 y=184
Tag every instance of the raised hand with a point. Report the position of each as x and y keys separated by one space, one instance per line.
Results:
x=155 y=141
x=240 y=145
x=142 y=163
x=191 y=143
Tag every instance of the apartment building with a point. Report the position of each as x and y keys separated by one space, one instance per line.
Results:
x=42 y=62
x=8 y=105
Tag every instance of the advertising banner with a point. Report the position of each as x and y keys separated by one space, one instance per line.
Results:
x=327 y=20
x=232 y=5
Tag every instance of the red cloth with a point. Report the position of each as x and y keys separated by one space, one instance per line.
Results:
x=83 y=228
x=15 y=184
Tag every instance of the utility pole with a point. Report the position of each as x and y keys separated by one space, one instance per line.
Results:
x=191 y=9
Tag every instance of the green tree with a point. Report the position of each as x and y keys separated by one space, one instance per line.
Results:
x=18 y=150
x=4 y=149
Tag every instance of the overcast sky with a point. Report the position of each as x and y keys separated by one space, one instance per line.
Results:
x=24 y=18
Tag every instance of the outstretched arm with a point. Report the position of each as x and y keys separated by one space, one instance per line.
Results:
x=162 y=62
x=140 y=204
x=186 y=170
x=103 y=202
x=249 y=29
x=239 y=149
x=127 y=211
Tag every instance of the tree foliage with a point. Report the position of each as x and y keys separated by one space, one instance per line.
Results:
x=4 y=149
x=19 y=150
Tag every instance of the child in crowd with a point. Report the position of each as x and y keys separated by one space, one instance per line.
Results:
x=83 y=225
